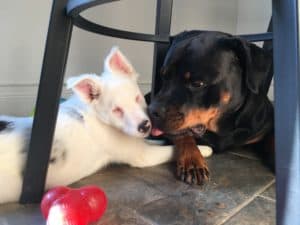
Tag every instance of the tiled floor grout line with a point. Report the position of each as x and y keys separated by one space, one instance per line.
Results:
x=243 y=156
x=148 y=220
x=267 y=198
x=151 y=202
x=155 y=188
x=245 y=203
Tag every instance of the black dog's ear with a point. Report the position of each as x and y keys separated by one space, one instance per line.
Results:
x=255 y=61
x=177 y=47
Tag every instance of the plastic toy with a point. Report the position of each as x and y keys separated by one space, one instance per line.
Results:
x=67 y=206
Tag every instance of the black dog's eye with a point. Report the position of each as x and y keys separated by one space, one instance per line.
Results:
x=198 y=84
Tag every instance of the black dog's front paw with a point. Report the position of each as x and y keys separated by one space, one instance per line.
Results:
x=193 y=175
x=192 y=168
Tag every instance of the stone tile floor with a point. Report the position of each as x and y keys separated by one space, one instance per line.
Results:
x=241 y=192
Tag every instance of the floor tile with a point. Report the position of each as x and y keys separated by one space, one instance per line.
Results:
x=15 y=214
x=122 y=188
x=246 y=152
x=161 y=178
x=233 y=180
x=124 y=216
x=258 y=212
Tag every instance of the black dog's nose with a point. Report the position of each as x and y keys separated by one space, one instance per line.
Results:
x=144 y=126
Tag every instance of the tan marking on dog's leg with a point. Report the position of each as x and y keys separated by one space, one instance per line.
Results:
x=191 y=165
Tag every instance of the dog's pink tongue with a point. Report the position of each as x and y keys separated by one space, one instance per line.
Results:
x=156 y=132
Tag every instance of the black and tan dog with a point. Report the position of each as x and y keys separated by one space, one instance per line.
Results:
x=212 y=90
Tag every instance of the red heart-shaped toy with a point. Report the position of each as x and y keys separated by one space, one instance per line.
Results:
x=94 y=197
x=66 y=206
x=50 y=197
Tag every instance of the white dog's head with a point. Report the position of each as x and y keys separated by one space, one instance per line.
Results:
x=115 y=96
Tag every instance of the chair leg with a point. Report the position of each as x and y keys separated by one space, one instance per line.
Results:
x=287 y=105
x=163 y=26
x=51 y=81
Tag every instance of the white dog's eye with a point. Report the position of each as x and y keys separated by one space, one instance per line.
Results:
x=118 y=111
x=138 y=99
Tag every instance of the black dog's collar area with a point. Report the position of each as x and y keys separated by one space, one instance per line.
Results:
x=195 y=131
x=198 y=130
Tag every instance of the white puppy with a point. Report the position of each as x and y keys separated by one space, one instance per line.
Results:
x=104 y=122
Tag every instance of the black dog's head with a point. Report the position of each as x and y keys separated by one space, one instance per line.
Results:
x=205 y=75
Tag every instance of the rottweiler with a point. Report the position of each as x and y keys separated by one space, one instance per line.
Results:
x=212 y=92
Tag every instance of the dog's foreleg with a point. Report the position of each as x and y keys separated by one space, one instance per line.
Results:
x=191 y=165
x=151 y=155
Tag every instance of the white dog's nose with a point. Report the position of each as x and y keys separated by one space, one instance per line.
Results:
x=144 y=126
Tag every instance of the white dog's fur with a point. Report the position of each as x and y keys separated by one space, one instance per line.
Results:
x=96 y=126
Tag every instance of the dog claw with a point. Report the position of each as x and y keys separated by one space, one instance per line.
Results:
x=193 y=175
x=182 y=177
x=203 y=175
x=191 y=166
x=188 y=178
x=180 y=173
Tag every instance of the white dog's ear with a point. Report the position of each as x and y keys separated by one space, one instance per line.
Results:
x=86 y=86
x=117 y=64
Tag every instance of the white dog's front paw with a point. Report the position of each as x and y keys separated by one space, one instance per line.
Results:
x=205 y=150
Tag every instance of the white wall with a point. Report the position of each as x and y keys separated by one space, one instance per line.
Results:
x=24 y=25
x=23 y=32
x=254 y=17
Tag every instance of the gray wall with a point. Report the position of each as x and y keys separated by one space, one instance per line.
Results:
x=254 y=17
x=24 y=26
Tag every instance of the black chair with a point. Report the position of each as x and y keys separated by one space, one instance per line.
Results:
x=66 y=13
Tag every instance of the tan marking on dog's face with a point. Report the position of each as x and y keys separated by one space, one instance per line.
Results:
x=176 y=121
x=207 y=117
x=225 y=97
